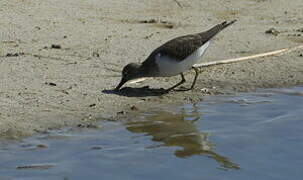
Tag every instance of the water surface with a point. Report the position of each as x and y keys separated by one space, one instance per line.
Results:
x=248 y=136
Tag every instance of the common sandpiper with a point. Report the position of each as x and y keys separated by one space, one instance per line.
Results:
x=173 y=57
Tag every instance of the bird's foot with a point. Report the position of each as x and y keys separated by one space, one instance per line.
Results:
x=182 y=88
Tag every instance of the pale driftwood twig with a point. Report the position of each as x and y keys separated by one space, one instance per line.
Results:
x=234 y=60
x=272 y=53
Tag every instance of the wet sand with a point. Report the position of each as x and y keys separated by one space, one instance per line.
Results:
x=60 y=59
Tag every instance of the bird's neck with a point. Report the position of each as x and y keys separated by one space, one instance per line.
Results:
x=141 y=71
x=138 y=70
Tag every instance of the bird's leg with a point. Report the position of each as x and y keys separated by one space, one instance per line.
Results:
x=178 y=84
x=195 y=79
x=194 y=82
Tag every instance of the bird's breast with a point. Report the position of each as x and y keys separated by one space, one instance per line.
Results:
x=169 y=66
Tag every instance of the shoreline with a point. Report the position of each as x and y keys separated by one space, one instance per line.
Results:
x=53 y=70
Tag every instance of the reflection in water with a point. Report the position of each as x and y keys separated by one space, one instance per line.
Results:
x=175 y=130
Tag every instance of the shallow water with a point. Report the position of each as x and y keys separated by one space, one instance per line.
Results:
x=248 y=136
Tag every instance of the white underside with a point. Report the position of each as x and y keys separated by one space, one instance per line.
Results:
x=170 y=67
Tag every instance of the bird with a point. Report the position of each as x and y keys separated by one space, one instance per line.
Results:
x=173 y=57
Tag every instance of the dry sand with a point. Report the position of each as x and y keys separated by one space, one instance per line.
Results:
x=45 y=87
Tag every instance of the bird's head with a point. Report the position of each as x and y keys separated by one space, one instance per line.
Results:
x=129 y=72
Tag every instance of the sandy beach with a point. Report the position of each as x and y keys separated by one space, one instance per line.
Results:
x=60 y=59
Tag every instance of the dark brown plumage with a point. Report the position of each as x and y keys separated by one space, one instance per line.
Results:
x=181 y=47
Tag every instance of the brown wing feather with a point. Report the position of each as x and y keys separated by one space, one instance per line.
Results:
x=181 y=47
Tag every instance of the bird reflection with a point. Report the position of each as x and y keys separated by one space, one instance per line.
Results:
x=174 y=130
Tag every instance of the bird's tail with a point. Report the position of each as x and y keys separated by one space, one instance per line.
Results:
x=207 y=35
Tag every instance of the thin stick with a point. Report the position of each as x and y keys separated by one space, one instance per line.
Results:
x=179 y=4
x=272 y=53
x=227 y=61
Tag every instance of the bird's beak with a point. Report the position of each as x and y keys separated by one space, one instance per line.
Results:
x=123 y=81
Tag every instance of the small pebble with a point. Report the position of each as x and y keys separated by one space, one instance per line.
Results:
x=14 y=54
x=96 y=54
x=300 y=30
x=169 y=26
x=51 y=84
x=41 y=146
x=56 y=46
x=64 y=91
x=11 y=55
x=90 y=125
x=92 y=105
x=205 y=90
x=134 y=108
x=272 y=31
x=148 y=21
x=121 y=112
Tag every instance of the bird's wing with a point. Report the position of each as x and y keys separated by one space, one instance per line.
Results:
x=181 y=47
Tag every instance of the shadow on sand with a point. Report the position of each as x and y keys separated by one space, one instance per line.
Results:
x=137 y=92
